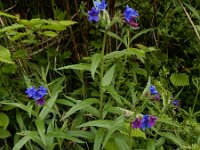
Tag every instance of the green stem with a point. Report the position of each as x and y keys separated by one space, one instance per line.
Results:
x=101 y=74
x=195 y=100
x=130 y=128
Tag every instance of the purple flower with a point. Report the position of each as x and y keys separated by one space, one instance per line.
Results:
x=137 y=123
x=145 y=122
x=40 y=101
x=100 y=5
x=156 y=97
x=130 y=13
x=152 y=121
x=133 y=22
x=93 y=15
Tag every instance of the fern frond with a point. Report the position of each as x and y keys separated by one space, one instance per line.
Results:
x=133 y=132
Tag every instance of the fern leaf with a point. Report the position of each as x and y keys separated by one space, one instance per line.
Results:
x=134 y=132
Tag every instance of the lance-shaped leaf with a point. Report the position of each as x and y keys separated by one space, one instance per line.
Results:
x=79 y=106
x=107 y=79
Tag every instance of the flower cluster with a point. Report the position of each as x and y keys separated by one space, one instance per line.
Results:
x=147 y=121
x=176 y=104
x=154 y=92
x=131 y=16
x=37 y=94
x=94 y=12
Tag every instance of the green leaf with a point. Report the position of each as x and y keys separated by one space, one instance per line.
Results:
x=12 y=27
x=140 y=33
x=111 y=145
x=18 y=36
x=36 y=22
x=24 y=140
x=41 y=129
x=81 y=66
x=5 y=55
x=107 y=79
x=179 y=79
x=121 y=142
x=50 y=33
x=134 y=132
x=138 y=52
x=168 y=121
x=151 y=145
x=119 y=54
x=117 y=124
x=192 y=9
x=56 y=85
x=63 y=135
x=114 y=94
x=116 y=37
x=160 y=141
x=28 y=108
x=54 y=26
x=7 y=15
x=67 y=22
x=20 y=54
x=98 y=139
x=96 y=59
x=9 y=69
x=81 y=134
x=47 y=107
x=79 y=106
x=20 y=120
x=4 y=120
x=173 y=138
x=98 y=123
x=4 y=133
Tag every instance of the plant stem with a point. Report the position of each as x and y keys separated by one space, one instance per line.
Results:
x=101 y=74
x=130 y=128
x=195 y=100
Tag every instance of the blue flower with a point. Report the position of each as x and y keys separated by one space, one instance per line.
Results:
x=145 y=122
x=130 y=14
x=100 y=5
x=93 y=15
x=176 y=103
x=153 y=90
x=37 y=94
x=42 y=90
x=30 y=92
